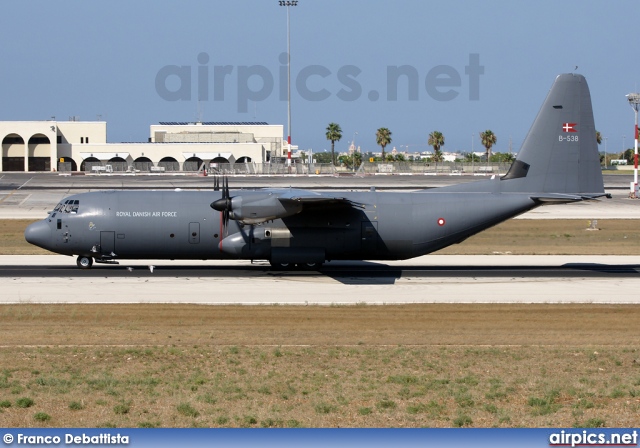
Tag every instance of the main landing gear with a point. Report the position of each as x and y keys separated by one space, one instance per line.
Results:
x=290 y=266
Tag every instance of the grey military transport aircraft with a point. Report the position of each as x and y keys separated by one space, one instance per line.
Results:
x=558 y=163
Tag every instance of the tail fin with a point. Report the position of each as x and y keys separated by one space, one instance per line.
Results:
x=560 y=153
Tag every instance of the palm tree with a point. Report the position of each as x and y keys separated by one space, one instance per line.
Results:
x=436 y=139
x=334 y=133
x=383 y=138
x=488 y=139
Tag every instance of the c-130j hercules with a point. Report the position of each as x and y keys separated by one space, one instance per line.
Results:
x=558 y=163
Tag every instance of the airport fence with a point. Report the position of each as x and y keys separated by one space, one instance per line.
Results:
x=275 y=169
x=441 y=168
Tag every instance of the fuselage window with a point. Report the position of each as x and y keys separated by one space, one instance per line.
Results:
x=74 y=208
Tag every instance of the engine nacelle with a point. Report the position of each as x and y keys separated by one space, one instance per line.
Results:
x=261 y=207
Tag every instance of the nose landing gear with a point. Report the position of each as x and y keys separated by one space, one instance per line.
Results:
x=84 y=262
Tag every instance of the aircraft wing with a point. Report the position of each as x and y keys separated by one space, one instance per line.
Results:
x=258 y=206
x=314 y=198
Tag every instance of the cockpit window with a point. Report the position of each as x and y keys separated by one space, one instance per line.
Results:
x=68 y=206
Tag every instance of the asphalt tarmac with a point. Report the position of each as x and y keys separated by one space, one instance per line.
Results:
x=428 y=279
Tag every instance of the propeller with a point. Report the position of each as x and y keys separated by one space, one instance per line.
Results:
x=224 y=203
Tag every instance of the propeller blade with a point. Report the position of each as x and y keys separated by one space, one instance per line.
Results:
x=223 y=204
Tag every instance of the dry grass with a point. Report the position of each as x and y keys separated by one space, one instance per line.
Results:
x=12 y=240
x=554 y=237
x=372 y=366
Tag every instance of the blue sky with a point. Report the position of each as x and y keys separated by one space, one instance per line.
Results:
x=89 y=59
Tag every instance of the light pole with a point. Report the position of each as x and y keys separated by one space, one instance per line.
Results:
x=473 y=156
x=605 y=152
x=634 y=102
x=353 y=142
x=287 y=4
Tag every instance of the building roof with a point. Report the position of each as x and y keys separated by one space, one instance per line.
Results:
x=216 y=123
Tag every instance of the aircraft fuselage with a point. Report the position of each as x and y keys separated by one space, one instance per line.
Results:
x=181 y=225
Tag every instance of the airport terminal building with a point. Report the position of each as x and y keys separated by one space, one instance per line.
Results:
x=172 y=146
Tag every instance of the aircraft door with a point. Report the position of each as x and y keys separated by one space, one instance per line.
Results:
x=369 y=237
x=107 y=243
x=194 y=232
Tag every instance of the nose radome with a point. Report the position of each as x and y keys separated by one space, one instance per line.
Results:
x=38 y=234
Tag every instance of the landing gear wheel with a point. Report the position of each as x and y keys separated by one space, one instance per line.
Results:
x=84 y=262
x=312 y=266
x=281 y=266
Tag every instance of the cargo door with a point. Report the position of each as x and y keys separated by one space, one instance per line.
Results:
x=108 y=243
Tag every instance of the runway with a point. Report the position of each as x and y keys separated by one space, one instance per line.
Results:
x=428 y=279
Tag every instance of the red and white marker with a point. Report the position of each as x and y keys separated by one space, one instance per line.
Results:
x=441 y=222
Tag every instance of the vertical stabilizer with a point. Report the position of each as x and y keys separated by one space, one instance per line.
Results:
x=560 y=152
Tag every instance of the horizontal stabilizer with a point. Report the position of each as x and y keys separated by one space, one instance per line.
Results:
x=559 y=198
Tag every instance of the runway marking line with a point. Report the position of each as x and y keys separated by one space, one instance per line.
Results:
x=7 y=196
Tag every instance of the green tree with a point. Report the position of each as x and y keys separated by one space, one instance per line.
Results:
x=383 y=138
x=351 y=160
x=501 y=157
x=488 y=139
x=334 y=134
x=356 y=158
x=322 y=157
x=471 y=157
x=436 y=139
x=629 y=155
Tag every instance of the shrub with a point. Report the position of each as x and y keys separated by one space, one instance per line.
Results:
x=386 y=404
x=121 y=409
x=24 y=402
x=187 y=410
x=76 y=406
x=222 y=420
x=324 y=408
x=42 y=417
x=462 y=420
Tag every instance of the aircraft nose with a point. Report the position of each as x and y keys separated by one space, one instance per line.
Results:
x=38 y=234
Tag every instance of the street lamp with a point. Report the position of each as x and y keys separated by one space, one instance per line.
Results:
x=473 y=156
x=353 y=142
x=605 y=152
x=634 y=102
x=287 y=4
